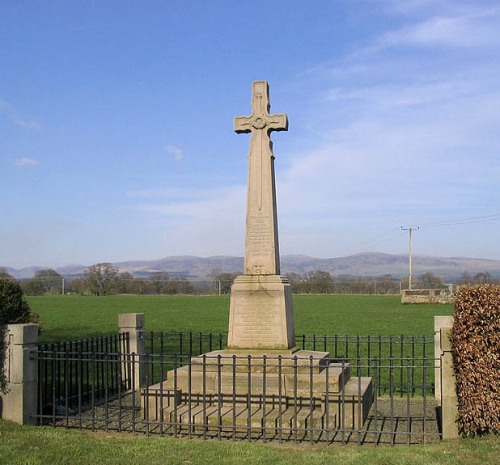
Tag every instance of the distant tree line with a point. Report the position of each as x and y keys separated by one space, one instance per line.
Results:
x=105 y=279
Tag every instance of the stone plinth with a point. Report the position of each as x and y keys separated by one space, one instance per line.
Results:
x=261 y=313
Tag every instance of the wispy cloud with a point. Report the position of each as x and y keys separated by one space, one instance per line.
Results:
x=176 y=152
x=404 y=132
x=16 y=117
x=471 y=30
x=190 y=216
x=193 y=203
x=26 y=162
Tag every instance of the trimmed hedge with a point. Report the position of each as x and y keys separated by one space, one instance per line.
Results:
x=475 y=343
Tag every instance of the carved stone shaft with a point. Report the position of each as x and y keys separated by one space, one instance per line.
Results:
x=261 y=241
x=261 y=314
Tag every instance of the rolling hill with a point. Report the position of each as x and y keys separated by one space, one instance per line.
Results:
x=363 y=264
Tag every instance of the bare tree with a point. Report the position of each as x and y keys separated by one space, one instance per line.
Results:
x=124 y=283
x=159 y=281
x=222 y=282
x=140 y=286
x=318 y=282
x=429 y=280
x=465 y=278
x=179 y=286
x=482 y=277
x=100 y=279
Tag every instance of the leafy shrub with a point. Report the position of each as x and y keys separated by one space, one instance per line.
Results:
x=13 y=309
x=475 y=340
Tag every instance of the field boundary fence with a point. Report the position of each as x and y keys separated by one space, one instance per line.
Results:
x=93 y=384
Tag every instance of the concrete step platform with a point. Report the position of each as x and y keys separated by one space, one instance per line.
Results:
x=347 y=408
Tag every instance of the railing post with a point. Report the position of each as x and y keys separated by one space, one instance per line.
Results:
x=19 y=403
x=133 y=324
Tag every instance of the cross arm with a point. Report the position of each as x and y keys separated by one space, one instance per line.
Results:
x=242 y=124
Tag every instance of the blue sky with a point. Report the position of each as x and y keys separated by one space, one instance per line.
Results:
x=117 y=142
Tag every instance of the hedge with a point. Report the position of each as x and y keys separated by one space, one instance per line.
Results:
x=475 y=343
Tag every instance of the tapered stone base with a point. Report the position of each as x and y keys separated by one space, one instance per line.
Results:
x=261 y=313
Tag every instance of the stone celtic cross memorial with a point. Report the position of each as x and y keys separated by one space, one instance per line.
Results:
x=261 y=315
x=261 y=378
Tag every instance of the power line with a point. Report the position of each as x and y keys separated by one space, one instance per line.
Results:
x=390 y=234
x=476 y=219
x=377 y=240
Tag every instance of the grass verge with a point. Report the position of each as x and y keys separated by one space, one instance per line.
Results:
x=42 y=445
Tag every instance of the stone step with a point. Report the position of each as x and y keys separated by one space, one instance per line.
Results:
x=348 y=408
x=352 y=404
x=241 y=418
x=186 y=379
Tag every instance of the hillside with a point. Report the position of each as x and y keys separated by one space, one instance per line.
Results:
x=363 y=264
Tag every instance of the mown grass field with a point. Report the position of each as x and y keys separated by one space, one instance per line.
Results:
x=75 y=317
x=44 y=445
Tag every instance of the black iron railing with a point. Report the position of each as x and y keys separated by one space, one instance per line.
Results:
x=82 y=372
x=370 y=352
x=94 y=384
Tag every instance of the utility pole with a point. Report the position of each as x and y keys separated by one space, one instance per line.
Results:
x=410 y=230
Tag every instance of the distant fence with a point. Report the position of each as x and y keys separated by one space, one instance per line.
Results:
x=143 y=286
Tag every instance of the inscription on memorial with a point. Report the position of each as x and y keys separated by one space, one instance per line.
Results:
x=256 y=323
x=260 y=234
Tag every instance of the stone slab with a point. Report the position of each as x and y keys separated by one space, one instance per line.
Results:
x=253 y=360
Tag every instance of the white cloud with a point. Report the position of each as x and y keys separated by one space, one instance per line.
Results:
x=26 y=162
x=221 y=203
x=405 y=133
x=177 y=153
x=16 y=117
x=462 y=31
x=210 y=221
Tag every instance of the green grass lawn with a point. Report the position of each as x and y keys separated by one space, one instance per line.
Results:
x=76 y=317
x=44 y=445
